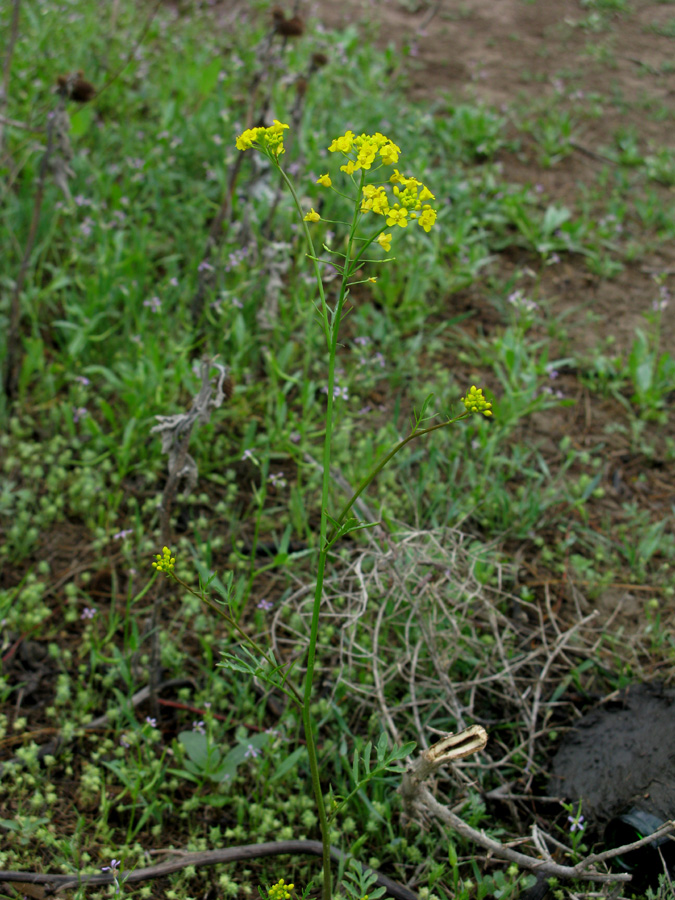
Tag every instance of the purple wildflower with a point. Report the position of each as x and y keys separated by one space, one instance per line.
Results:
x=576 y=824
x=154 y=303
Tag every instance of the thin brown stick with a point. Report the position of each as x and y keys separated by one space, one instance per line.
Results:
x=427 y=803
x=13 y=123
x=134 y=48
x=7 y=68
x=435 y=7
x=57 y=883
x=14 y=344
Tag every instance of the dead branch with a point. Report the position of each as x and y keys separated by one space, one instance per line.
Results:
x=7 y=68
x=14 y=344
x=57 y=883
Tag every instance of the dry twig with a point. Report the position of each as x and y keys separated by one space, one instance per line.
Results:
x=57 y=883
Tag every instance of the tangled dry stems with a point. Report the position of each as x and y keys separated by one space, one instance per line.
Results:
x=420 y=640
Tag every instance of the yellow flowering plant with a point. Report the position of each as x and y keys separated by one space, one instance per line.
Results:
x=383 y=198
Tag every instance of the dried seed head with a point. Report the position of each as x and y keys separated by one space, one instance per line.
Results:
x=75 y=87
x=319 y=60
x=292 y=27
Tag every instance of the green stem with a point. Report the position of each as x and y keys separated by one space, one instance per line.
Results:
x=261 y=494
x=331 y=329
x=292 y=692
x=383 y=462
x=308 y=238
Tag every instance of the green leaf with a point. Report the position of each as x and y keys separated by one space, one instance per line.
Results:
x=209 y=76
x=366 y=756
x=355 y=767
x=554 y=217
x=196 y=746
x=81 y=121
x=382 y=745
x=288 y=764
x=402 y=752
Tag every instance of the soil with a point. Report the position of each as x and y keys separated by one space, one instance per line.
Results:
x=508 y=53
x=500 y=52
x=620 y=756
x=618 y=762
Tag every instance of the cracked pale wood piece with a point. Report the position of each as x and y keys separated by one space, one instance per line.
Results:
x=449 y=749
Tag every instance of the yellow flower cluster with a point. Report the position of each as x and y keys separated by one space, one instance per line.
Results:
x=266 y=139
x=475 y=402
x=409 y=195
x=165 y=562
x=409 y=204
x=365 y=147
x=280 y=890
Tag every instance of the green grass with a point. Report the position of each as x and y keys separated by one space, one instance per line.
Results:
x=109 y=341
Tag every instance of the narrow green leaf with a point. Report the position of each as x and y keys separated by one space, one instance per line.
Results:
x=366 y=756
x=288 y=764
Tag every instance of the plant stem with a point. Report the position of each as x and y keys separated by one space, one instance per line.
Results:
x=291 y=692
x=380 y=465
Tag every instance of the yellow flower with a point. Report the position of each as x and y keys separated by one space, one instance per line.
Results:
x=277 y=127
x=366 y=155
x=343 y=144
x=248 y=138
x=324 y=180
x=270 y=139
x=373 y=280
x=475 y=402
x=380 y=203
x=390 y=153
x=349 y=168
x=312 y=216
x=384 y=240
x=280 y=890
x=427 y=218
x=397 y=216
x=165 y=562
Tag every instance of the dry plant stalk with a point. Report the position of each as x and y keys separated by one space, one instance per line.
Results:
x=6 y=71
x=450 y=748
x=182 y=859
x=56 y=126
x=176 y=431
